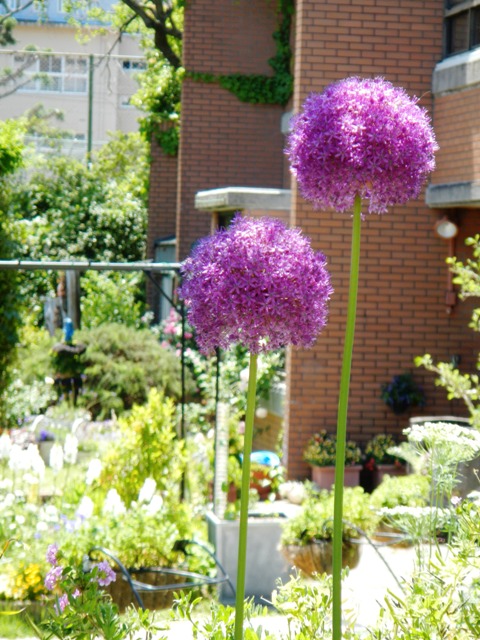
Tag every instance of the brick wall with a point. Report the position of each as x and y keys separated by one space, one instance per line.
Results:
x=225 y=142
x=458 y=133
x=162 y=207
x=401 y=304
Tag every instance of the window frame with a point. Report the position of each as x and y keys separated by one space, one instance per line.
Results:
x=60 y=79
x=453 y=9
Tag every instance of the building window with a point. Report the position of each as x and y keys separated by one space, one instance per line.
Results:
x=462 y=25
x=133 y=66
x=57 y=74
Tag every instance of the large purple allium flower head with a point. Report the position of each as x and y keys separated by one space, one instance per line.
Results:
x=365 y=137
x=257 y=283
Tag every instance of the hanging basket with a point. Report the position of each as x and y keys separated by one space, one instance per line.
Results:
x=123 y=596
x=317 y=556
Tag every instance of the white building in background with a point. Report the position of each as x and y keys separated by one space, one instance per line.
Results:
x=91 y=83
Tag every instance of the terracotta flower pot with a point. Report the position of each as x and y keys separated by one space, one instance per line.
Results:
x=324 y=477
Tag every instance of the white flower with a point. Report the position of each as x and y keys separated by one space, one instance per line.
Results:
x=70 y=449
x=85 y=508
x=456 y=442
x=147 y=491
x=5 y=446
x=56 y=457
x=113 y=504
x=19 y=459
x=154 y=506
x=37 y=464
x=93 y=472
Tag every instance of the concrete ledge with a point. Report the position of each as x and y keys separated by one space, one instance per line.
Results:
x=457 y=72
x=453 y=194
x=239 y=198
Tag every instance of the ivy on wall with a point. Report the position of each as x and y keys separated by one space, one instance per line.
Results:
x=261 y=89
x=160 y=92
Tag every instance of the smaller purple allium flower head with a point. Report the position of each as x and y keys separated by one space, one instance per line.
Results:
x=257 y=283
x=51 y=556
x=53 y=576
x=365 y=137
x=105 y=574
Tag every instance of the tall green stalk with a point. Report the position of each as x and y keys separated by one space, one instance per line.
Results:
x=244 y=496
x=342 y=423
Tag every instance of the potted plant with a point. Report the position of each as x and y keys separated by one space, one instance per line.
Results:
x=380 y=459
x=320 y=453
x=401 y=393
x=306 y=539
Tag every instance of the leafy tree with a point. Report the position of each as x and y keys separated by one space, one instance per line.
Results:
x=463 y=386
x=11 y=158
x=65 y=210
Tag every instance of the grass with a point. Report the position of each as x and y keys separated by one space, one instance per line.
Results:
x=15 y=626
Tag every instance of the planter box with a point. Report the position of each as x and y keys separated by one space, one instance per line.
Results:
x=265 y=562
x=324 y=477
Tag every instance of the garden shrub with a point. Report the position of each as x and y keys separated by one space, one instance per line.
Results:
x=412 y=490
x=148 y=447
x=121 y=364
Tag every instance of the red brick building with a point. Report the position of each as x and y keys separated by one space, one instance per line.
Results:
x=231 y=157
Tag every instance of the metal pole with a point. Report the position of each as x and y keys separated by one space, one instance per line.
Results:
x=90 y=110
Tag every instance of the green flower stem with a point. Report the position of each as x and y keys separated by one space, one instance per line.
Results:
x=342 y=424
x=244 y=496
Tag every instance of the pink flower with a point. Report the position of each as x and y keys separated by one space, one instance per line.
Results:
x=53 y=576
x=64 y=601
x=257 y=283
x=361 y=136
x=52 y=552
x=105 y=575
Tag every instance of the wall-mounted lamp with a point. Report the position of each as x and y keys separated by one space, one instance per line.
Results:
x=447 y=230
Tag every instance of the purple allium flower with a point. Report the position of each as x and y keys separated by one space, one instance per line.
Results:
x=361 y=136
x=105 y=575
x=257 y=283
x=53 y=576
x=51 y=556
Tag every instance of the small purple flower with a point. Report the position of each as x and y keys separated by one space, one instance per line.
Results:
x=365 y=137
x=52 y=552
x=64 y=600
x=61 y=603
x=105 y=574
x=53 y=576
x=257 y=283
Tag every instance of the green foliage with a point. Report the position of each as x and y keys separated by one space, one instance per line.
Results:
x=11 y=158
x=261 y=89
x=148 y=448
x=63 y=210
x=378 y=449
x=462 y=386
x=11 y=146
x=84 y=610
x=159 y=96
x=111 y=297
x=412 y=490
x=220 y=622
x=315 y=518
x=121 y=364
x=137 y=538
x=321 y=450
